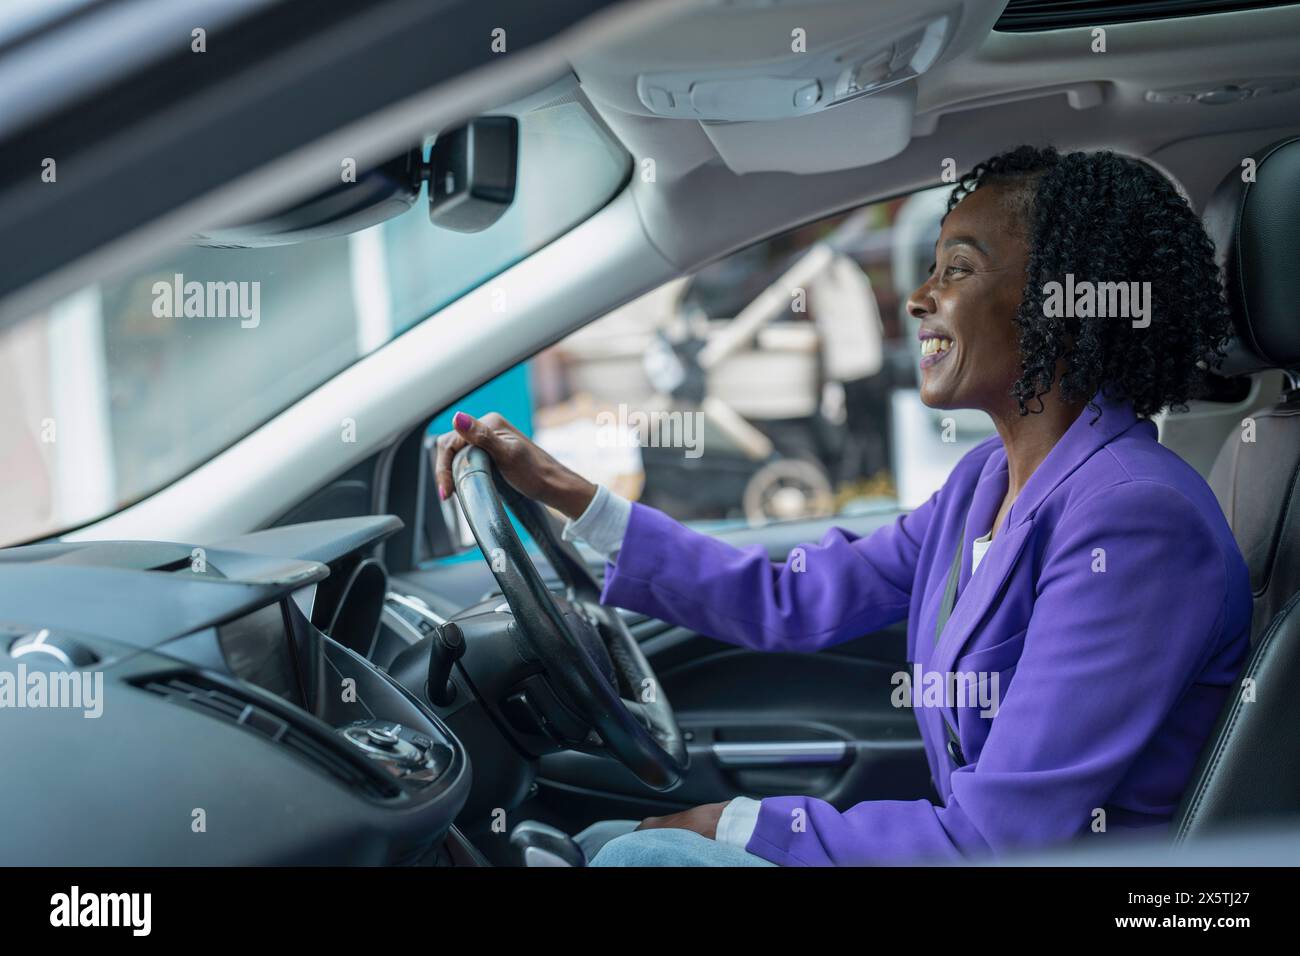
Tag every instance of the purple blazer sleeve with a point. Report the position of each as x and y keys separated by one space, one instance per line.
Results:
x=824 y=593
x=1131 y=590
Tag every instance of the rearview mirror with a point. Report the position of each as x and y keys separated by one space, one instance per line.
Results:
x=472 y=173
x=378 y=194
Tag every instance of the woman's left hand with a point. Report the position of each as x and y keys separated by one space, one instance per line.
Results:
x=702 y=820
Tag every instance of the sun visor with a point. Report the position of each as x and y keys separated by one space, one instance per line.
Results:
x=855 y=133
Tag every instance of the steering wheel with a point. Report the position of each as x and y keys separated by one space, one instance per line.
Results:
x=585 y=647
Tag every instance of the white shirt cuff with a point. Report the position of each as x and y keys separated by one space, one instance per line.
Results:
x=738 y=821
x=602 y=525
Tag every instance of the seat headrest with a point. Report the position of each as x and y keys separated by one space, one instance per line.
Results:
x=1256 y=231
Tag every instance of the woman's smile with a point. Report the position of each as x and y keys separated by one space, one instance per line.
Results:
x=934 y=349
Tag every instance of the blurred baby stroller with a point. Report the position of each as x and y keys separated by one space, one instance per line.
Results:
x=764 y=384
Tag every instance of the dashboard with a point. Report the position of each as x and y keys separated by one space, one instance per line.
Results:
x=239 y=718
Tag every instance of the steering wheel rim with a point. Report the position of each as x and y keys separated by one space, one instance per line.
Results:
x=568 y=636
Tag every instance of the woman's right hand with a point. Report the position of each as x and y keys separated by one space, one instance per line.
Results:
x=529 y=469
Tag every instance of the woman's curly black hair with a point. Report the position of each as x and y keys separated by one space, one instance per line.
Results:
x=1109 y=218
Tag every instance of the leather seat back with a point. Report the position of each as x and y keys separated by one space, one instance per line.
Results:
x=1257 y=483
x=1250 y=769
x=1256 y=228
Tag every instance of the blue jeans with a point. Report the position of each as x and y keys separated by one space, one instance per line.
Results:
x=613 y=843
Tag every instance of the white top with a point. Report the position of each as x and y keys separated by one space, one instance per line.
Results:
x=977 y=549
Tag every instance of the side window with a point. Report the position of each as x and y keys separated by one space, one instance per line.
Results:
x=778 y=383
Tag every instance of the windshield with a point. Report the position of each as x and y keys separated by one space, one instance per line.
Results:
x=113 y=393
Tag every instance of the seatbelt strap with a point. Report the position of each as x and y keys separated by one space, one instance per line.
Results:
x=945 y=611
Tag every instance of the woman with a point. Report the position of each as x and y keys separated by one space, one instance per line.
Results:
x=1111 y=607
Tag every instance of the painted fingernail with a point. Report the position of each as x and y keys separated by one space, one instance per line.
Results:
x=461 y=421
x=442 y=493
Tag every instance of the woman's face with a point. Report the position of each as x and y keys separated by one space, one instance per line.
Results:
x=967 y=307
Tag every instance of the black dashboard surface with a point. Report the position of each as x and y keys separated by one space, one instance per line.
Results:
x=212 y=722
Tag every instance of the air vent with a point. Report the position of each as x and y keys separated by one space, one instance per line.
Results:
x=1029 y=16
x=316 y=747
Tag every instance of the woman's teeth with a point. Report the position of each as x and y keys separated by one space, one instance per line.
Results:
x=932 y=346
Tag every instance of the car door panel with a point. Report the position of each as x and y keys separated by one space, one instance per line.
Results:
x=821 y=725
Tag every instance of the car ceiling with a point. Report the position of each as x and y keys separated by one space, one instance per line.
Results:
x=718 y=186
x=1002 y=90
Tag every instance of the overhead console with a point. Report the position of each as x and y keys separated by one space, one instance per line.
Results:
x=801 y=81
x=760 y=74
x=209 y=692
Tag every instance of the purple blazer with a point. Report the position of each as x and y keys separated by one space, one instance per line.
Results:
x=1113 y=606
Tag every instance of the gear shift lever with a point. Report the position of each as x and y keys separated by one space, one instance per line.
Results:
x=540 y=845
